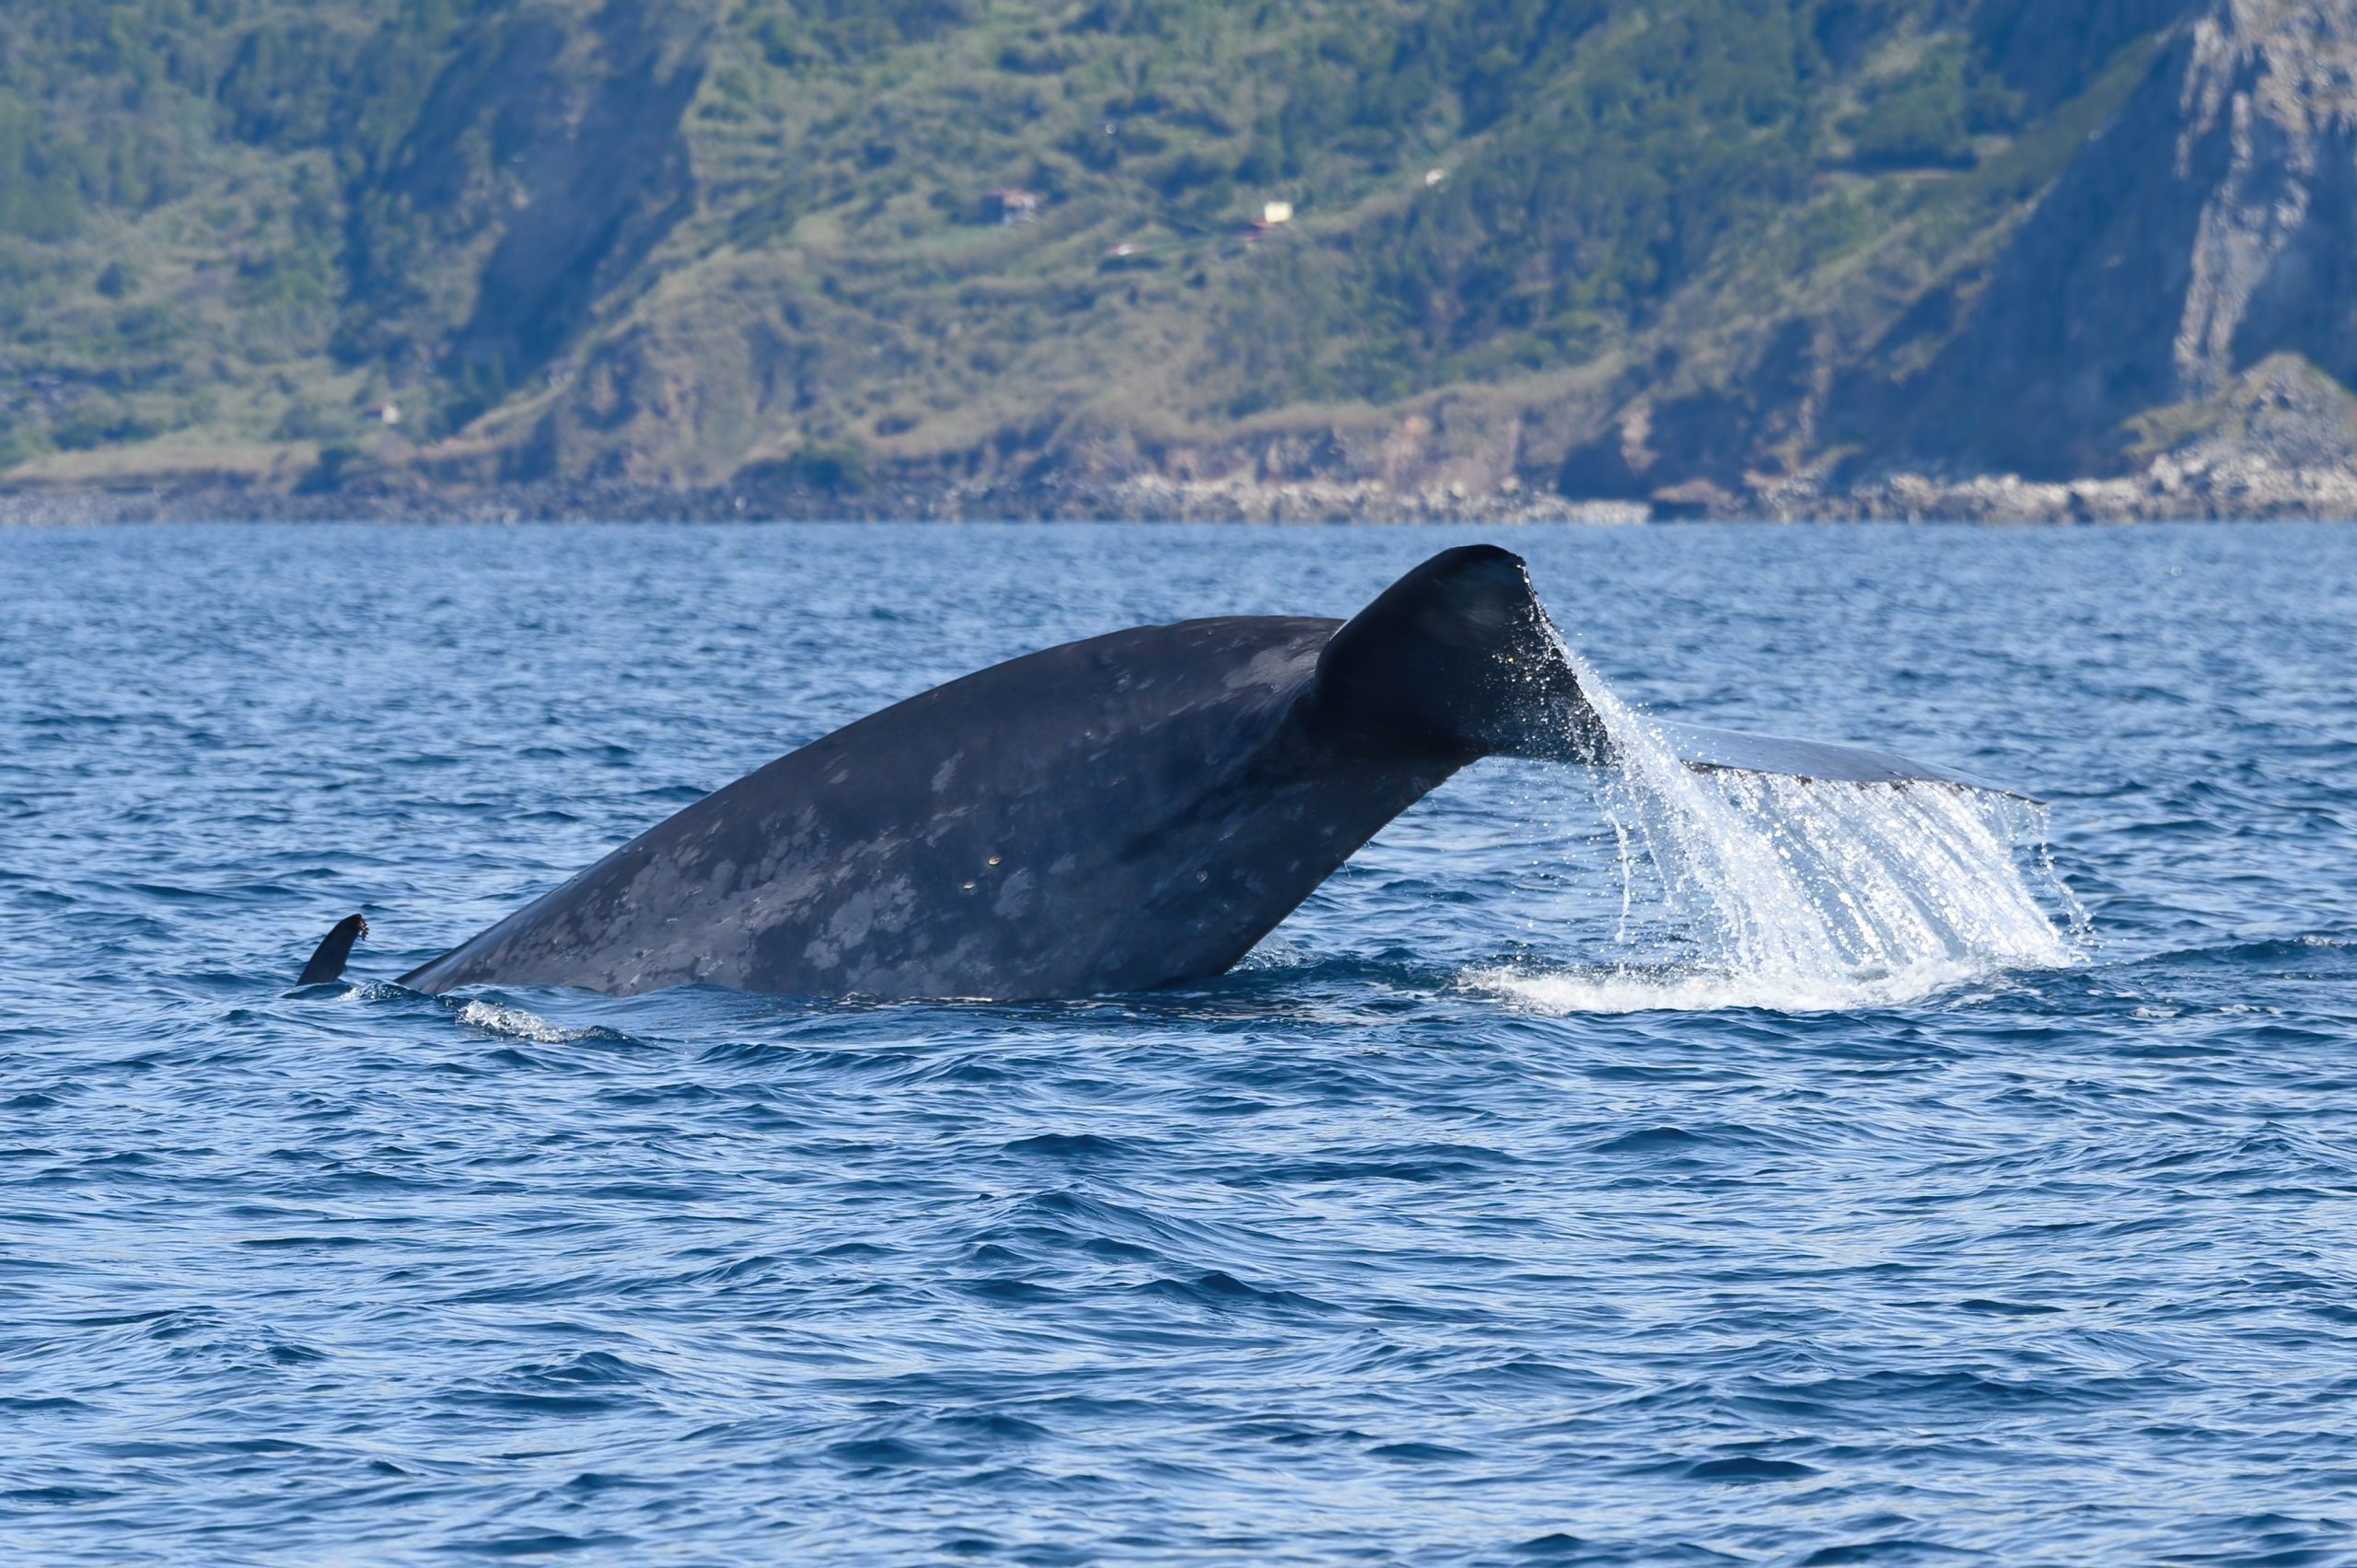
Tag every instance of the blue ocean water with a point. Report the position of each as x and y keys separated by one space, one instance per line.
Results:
x=1491 y=1215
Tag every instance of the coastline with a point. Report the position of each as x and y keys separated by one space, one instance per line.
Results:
x=2240 y=489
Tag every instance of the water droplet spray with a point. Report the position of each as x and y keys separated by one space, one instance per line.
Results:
x=1758 y=890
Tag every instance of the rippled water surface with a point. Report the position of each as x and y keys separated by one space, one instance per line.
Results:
x=1512 y=1204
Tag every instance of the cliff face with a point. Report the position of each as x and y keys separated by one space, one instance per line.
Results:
x=543 y=160
x=2275 y=258
x=2210 y=227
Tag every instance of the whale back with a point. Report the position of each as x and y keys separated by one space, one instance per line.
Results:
x=1109 y=815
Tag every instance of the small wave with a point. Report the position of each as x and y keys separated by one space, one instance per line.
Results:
x=1421 y=1453
x=515 y=1023
x=1223 y=1292
x=1748 y=1467
x=2317 y=947
x=547 y=1543
x=879 y=1454
x=1067 y=1147
x=1560 y=993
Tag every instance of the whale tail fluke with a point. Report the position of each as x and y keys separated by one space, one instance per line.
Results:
x=1705 y=750
x=329 y=959
x=1457 y=658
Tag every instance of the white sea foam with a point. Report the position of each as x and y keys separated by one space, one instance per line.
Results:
x=1757 y=890
x=517 y=1024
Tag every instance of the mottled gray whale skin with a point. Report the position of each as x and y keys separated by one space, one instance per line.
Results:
x=1127 y=812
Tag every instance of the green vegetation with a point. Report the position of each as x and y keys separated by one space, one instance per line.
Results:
x=677 y=239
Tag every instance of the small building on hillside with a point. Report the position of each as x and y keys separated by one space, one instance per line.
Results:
x=1272 y=216
x=1010 y=204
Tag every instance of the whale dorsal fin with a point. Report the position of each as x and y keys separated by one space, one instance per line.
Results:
x=335 y=951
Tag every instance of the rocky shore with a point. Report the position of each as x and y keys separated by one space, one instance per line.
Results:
x=2232 y=488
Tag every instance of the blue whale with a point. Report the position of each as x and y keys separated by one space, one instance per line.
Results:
x=1119 y=814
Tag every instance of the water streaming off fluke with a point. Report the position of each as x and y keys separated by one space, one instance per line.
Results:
x=1743 y=889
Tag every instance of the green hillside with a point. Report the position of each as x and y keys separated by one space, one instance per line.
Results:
x=1601 y=245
